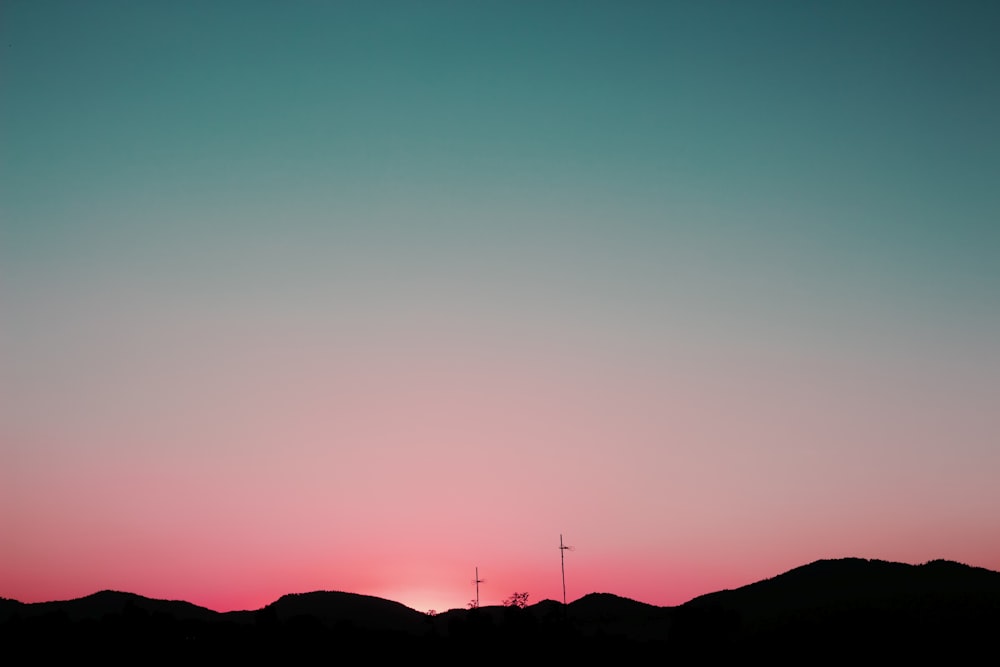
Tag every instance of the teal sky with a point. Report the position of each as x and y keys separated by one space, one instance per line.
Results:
x=861 y=131
x=674 y=246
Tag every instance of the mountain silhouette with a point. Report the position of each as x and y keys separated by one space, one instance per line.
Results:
x=100 y=604
x=849 y=581
x=828 y=609
x=334 y=608
x=940 y=608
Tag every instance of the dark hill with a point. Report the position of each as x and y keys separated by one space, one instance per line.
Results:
x=831 y=583
x=824 y=611
x=611 y=615
x=608 y=604
x=103 y=603
x=347 y=610
x=941 y=608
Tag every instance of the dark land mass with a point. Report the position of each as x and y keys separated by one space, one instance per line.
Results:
x=830 y=610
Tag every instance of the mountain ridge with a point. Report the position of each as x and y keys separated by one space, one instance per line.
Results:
x=939 y=605
x=111 y=599
x=841 y=579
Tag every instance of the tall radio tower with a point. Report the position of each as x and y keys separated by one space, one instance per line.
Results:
x=478 y=581
x=562 y=557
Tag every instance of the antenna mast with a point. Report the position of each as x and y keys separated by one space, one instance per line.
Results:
x=477 y=581
x=562 y=557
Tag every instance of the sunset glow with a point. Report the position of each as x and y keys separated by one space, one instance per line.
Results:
x=363 y=296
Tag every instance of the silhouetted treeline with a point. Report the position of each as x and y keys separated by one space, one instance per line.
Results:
x=828 y=611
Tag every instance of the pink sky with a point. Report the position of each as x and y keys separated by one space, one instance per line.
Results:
x=228 y=477
x=333 y=296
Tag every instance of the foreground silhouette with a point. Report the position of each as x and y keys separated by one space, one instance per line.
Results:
x=833 y=609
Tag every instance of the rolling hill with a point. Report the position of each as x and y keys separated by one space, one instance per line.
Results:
x=825 y=609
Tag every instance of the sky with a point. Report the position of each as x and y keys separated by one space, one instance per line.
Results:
x=361 y=296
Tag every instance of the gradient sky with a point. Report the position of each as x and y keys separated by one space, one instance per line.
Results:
x=363 y=295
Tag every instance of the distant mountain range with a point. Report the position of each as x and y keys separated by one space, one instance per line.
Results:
x=847 y=607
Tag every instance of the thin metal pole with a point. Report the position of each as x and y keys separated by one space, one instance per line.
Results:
x=562 y=557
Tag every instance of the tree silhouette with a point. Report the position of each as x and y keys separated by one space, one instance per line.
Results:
x=517 y=600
